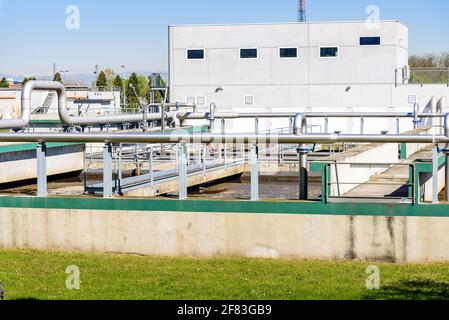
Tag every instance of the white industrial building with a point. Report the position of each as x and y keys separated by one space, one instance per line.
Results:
x=297 y=67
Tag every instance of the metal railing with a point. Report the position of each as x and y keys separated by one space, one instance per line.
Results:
x=429 y=76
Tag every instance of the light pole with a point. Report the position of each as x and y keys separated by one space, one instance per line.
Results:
x=62 y=72
x=124 y=86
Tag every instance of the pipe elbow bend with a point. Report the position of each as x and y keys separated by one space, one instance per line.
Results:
x=300 y=124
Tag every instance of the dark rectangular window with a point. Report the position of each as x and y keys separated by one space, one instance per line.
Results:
x=248 y=53
x=196 y=54
x=331 y=52
x=288 y=53
x=370 y=41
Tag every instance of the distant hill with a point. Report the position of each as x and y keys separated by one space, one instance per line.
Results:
x=78 y=78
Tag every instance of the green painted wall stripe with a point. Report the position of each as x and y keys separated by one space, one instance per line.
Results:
x=209 y=206
x=32 y=146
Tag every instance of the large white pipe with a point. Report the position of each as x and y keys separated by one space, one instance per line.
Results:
x=68 y=120
x=441 y=109
x=18 y=124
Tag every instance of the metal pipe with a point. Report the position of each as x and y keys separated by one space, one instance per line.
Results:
x=218 y=138
x=200 y=116
x=433 y=110
x=30 y=86
x=441 y=109
x=25 y=116
x=446 y=152
x=300 y=129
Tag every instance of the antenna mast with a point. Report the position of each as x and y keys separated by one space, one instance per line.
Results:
x=302 y=11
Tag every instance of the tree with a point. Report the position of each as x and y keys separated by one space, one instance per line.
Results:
x=57 y=77
x=118 y=82
x=133 y=89
x=4 y=83
x=110 y=77
x=27 y=79
x=102 y=81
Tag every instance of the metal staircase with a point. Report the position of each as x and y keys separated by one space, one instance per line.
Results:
x=46 y=105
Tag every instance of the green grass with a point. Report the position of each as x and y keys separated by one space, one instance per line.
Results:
x=41 y=275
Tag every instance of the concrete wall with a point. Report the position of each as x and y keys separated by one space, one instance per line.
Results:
x=397 y=239
x=20 y=166
x=346 y=177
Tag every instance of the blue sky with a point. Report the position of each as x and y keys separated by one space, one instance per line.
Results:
x=33 y=33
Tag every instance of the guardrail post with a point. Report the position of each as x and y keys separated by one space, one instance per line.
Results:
x=107 y=170
x=326 y=125
x=41 y=156
x=362 y=125
x=182 y=165
x=300 y=128
x=446 y=152
x=254 y=160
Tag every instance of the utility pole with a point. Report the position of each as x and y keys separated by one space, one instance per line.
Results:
x=302 y=11
x=124 y=86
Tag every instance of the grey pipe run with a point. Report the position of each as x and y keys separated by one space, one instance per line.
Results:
x=68 y=120
x=177 y=137
x=446 y=152
x=202 y=116
x=30 y=86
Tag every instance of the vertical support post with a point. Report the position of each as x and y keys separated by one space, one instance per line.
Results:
x=204 y=160
x=213 y=109
x=107 y=170
x=416 y=120
x=362 y=125
x=182 y=165
x=120 y=169
x=290 y=126
x=151 y=168
x=446 y=152
x=300 y=128
x=435 y=180
x=41 y=155
x=326 y=125
x=398 y=125
x=257 y=125
x=254 y=159
x=223 y=126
